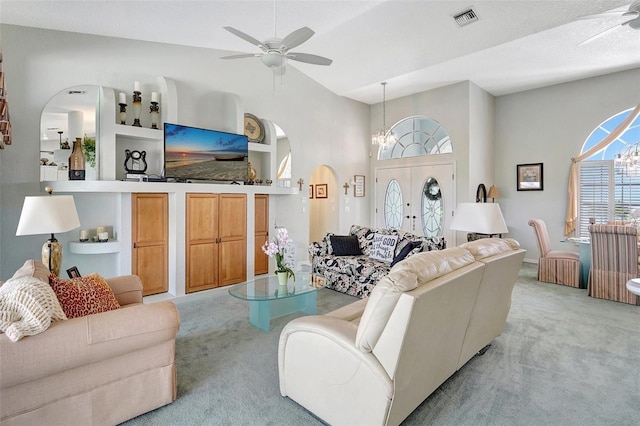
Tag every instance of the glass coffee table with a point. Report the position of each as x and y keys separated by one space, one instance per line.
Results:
x=267 y=299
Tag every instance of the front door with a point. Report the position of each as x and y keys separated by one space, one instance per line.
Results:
x=418 y=199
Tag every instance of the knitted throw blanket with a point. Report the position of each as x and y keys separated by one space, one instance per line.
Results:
x=27 y=307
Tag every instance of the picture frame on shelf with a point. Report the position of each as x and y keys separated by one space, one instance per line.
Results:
x=73 y=272
x=358 y=186
x=321 y=190
x=529 y=177
x=310 y=192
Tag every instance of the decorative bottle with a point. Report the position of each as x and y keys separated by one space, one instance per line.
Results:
x=77 y=161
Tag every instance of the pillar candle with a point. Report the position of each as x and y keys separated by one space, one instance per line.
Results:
x=154 y=96
x=122 y=98
x=136 y=86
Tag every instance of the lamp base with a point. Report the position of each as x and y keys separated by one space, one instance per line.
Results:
x=473 y=236
x=52 y=255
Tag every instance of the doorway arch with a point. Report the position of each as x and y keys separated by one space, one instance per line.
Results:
x=323 y=207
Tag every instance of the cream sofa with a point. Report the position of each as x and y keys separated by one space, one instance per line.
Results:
x=100 y=369
x=374 y=361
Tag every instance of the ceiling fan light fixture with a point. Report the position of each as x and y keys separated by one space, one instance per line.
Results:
x=274 y=60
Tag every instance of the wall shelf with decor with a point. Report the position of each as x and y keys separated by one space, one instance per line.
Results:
x=78 y=247
x=115 y=138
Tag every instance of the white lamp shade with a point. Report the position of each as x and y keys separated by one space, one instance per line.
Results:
x=482 y=218
x=48 y=214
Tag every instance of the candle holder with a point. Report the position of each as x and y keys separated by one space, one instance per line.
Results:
x=123 y=113
x=155 y=114
x=137 y=108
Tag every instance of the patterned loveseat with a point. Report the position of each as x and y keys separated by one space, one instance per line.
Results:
x=357 y=274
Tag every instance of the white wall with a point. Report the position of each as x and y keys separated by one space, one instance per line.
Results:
x=322 y=128
x=546 y=125
x=549 y=126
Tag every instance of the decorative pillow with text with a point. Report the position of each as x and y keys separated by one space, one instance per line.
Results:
x=84 y=295
x=383 y=247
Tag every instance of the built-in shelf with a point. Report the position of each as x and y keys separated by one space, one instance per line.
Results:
x=258 y=147
x=134 y=132
x=78 y=247
x=118 y=186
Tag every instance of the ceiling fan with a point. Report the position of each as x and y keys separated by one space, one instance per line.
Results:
x=631 y=18
x=275 y=51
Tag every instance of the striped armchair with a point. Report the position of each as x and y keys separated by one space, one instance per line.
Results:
x=614 y=261
x=554 y=266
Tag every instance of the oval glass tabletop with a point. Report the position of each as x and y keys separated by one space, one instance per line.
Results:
x=267 y=287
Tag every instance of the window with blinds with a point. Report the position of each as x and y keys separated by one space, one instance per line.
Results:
x=595 y=196
x=607 y=192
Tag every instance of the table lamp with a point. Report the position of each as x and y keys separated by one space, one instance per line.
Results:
x=47 y=215
x=479 y=218
x=493 y=193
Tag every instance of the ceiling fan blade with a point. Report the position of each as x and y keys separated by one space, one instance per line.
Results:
x=243 y=55
x=309 y=58
x=297 y=37
x=601 y=33
x=244 y=36
x=600 y=16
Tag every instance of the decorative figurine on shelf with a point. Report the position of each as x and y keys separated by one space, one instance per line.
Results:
x=137 y=104
x=122 y=101
x=252 y=173
x=135 y=161
x=155 y=110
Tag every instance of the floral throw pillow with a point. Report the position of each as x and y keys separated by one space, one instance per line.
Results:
x=83 y=295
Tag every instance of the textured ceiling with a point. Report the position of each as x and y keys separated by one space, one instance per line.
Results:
x=413 y=45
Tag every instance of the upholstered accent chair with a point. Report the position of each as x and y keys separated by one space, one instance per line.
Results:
x=555 y=266
x=614 y=261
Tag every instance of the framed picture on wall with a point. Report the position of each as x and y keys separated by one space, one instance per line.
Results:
x=358 y=187
x=310 y=191
x=529 y=177
x=321 y=190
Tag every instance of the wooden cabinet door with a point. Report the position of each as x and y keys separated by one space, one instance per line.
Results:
x=232 y=227
x=260 y=259
x=150 y=241
x=202 y=242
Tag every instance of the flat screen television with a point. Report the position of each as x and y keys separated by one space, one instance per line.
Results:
x=191 y=153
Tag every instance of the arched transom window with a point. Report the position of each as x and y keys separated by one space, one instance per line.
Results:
x=417 y=136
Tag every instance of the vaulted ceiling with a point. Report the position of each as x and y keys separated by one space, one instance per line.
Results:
x=413 y=45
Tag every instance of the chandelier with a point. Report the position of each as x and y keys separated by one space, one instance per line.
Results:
x=383 y=137
x=629 y=158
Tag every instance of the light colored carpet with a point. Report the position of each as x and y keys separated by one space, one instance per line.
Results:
x=563 y=359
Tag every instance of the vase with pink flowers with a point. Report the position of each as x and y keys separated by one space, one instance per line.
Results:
x=277 y=248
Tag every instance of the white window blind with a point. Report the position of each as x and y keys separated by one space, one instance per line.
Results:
x=595 y=195
x=607 y=192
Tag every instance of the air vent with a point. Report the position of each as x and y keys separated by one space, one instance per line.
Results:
x=466 y=17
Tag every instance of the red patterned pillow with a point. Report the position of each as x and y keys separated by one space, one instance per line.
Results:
x=83 y=295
